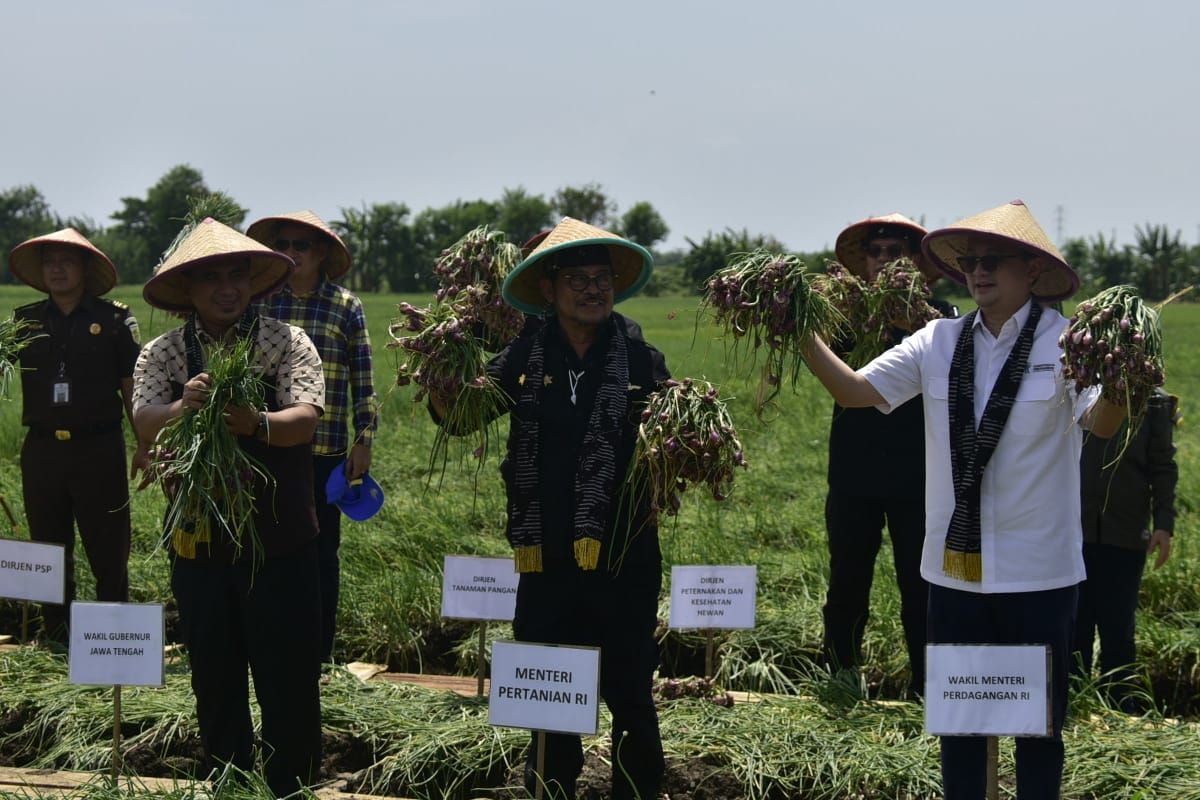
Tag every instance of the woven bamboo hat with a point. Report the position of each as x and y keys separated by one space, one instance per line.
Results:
x=851 y=245
x=25 y=262
x=210 y=241
x=337 y=263
x=632 y=264
x=1011 y=223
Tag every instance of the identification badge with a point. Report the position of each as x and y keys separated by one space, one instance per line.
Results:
x=61 y=393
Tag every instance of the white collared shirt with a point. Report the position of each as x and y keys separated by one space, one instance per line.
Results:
x=1029 y=507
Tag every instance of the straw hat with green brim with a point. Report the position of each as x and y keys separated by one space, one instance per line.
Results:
x=631 y=263
x=1009 y=224
x=25 y=262
x=211 y=242
x=337 y=263
x=851 y=245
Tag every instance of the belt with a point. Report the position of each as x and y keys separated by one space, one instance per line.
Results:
x=70 y=434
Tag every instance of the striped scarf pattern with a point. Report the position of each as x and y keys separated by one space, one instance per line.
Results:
x=595 y=476
x=970 y=450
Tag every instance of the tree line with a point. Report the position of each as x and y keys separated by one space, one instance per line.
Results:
x=395 y=249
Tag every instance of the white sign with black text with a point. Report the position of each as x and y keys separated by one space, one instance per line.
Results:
x=545 y=687
x=987 y=690
x=116 y=644
x=31 y=571
x=713 y=597
x=479 y=588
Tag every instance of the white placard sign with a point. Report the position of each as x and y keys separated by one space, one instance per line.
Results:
x=987 y=690
x=116 y=643
x=31 y=571
x=713 y=597
x=545 y=687
x=479 y=588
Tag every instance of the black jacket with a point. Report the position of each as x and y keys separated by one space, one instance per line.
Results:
x=1120 y=502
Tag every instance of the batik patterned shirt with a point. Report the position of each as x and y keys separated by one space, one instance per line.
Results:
x=281 y=351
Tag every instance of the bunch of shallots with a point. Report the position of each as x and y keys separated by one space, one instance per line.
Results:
x=470 y=275
x=767 y=300
x=448 y=363
x=897 y=297
x=1114 y=341
x=210 y=481
x=685 y=437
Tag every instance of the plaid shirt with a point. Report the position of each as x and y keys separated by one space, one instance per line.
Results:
x=333 y=318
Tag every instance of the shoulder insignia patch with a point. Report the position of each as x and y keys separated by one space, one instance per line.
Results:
x=134 y=331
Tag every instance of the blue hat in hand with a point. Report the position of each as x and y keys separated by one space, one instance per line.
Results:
x=359 y=499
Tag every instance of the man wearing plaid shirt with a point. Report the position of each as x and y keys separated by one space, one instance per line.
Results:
x=333 y=318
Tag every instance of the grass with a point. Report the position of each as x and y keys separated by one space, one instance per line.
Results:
x=795 y=746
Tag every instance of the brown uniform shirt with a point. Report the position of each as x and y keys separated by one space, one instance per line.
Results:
x=89 y=351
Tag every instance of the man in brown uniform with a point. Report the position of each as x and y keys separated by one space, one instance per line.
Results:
x=76 y=381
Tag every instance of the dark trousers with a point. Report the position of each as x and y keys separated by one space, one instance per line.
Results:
x=618 y=616
x=957 y=617
x=1107 y=603
x=232 y=618
x=855 y=531
x=329 y=539
x=81 y=481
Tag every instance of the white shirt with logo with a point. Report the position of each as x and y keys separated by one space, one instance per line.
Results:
x=1031 y=538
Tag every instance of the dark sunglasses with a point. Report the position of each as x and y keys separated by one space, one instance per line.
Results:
x=990 y=262
x=580 y=282
x=299 y=245
x=891 y=251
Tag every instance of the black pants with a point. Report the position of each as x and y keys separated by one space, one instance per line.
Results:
x=329 y=539
x=82 y=481
x=1108 y=603
x=619 y=616
x=855 y=530
x=1048 y=617
x=232 y=618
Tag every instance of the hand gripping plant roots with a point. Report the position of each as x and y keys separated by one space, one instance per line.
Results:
x=209 y=479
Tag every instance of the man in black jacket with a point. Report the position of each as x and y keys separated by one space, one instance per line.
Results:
x=590 y=565
x=876 y=473
x=1128 y=511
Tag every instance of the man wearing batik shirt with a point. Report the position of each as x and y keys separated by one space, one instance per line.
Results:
x=333 y=318
x=257 y=606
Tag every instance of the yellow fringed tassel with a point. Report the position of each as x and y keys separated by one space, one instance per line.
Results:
x=964 y=566
x=185 y=541
x=528 y=559
x=587 y=553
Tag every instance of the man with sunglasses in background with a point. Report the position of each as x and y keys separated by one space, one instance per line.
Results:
x=333 y=318
x=876 y=474
x=1003 y=436
x=587 y=553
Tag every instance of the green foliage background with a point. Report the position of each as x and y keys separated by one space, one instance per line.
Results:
x=391 y=569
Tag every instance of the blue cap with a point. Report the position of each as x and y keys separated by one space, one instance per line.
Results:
x=359 y=499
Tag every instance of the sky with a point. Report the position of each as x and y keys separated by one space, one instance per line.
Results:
x=785 y=118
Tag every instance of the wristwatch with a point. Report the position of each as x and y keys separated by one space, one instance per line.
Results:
x=262 y=424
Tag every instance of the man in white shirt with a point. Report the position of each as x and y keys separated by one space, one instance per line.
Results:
x=1003 y=540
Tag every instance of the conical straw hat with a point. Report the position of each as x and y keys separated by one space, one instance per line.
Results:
x=1012 y=223
x=209 y=242
x=25 y=262
x=851 y=245
x=337 y=263
x=632 y=264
